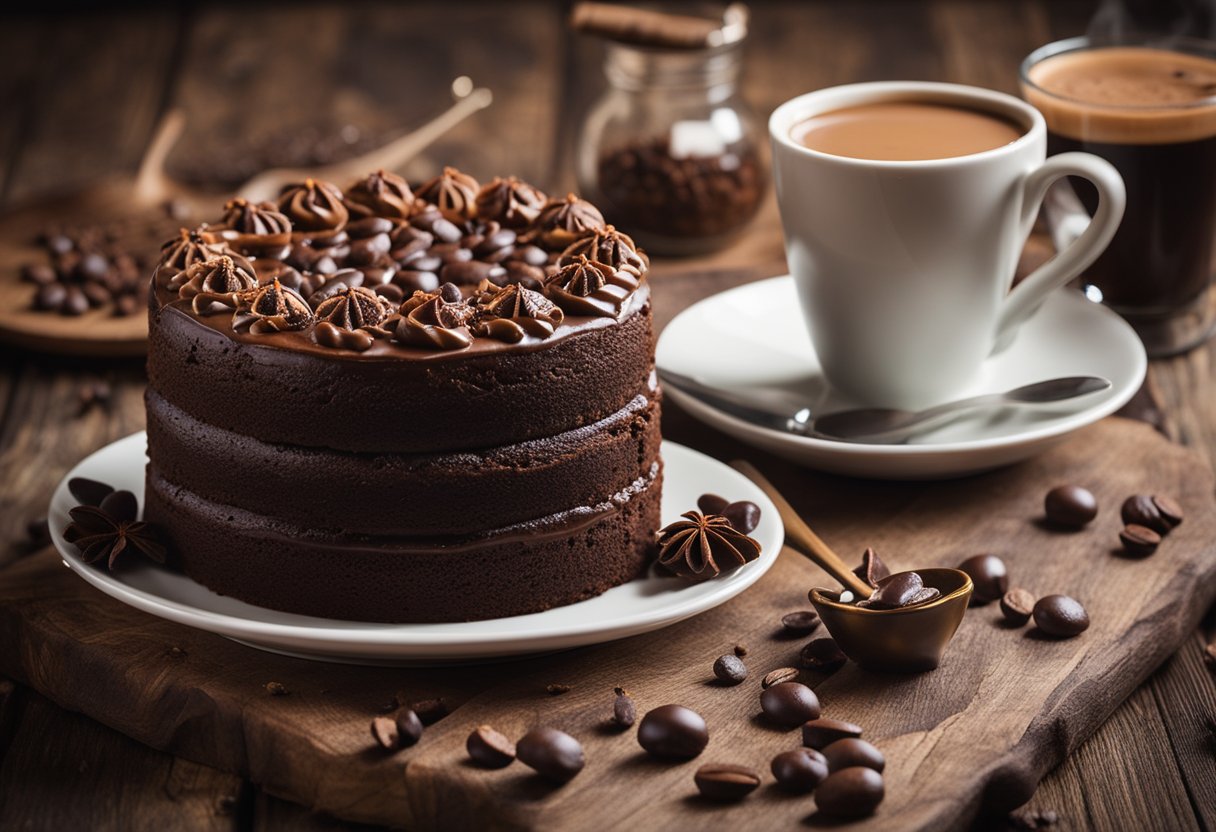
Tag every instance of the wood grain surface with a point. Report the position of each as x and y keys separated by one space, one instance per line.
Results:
x=81 y=94
x=978 y=733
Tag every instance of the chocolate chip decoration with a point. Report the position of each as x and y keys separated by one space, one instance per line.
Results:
x=822 y=732
x=989 y=577
x=789 y=704
x=1070 y=506
x=850 y=793
x=489 y=749
x=1139 y=541
x=872 y=569
x=799 y=771
x=1060 y=616
x=712 y=504
x=673 y=732
x=88 y=492
x=624 y=712
x=729 y=669
x=553 y=754
x=725 y=783
x=744 y=515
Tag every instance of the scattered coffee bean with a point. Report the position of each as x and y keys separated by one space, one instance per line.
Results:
x=38 y=533
x=776 y=677
x=740 y=650
x=872 y=569
x=276 y=689
x=823 y=654
x=712 y=504
x=88 y=492
x=409 y=727
x=553 y=754
x=789 y=704
x=673 y=731
x=853 y=751
x=1147 y=511
x=730 y=669
x=489 y=749
x=558 y=689
x=121 y=505
x=799 y=771
x=1070 y=506
x=624 y=713
x=800 y=623
x=1060 y=616
x=430 y=711
x=989 y=578
x=744 y=516
x=1017 y=605
x=850 y=793
x=725 y=783
x=822 y=732
x=1139 y=541
x=384 y=731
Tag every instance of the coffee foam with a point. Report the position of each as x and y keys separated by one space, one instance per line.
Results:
x=1126 y=95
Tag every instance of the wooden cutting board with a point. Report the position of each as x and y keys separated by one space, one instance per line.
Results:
x=976 y=734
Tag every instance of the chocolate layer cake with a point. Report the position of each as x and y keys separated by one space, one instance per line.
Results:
x=386 y=404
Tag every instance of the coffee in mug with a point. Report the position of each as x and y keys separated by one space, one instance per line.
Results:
x=1151 y=112
x=902 y=240
x=905 y=131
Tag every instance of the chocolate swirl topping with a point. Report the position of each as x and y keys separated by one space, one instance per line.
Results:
x=453 y=193
x=562 y=221
x=221 y=275
x=607 y=245
x=702 y=546
x=511 y=312
x=587 y=287
x=184 y=251
x=314 y=205
x=510 y=201
x=271 y=308
x=262 y=219
x=436 y=320
x=352 y=308
x=334 y=337
x=380 y=194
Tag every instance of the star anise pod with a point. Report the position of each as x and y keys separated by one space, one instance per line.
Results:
x=98 y=535
x=702 y=546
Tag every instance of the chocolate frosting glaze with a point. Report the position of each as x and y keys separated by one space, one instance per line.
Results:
x=702 y=546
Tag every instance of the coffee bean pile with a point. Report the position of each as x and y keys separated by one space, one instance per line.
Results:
x=1058 y=616
x=648 y=190
x=1147 y=518
x=99 y=266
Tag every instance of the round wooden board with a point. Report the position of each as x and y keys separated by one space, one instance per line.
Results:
x=98 y=332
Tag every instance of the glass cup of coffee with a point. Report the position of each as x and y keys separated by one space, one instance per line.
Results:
x=1148 y=107
x=905 y=206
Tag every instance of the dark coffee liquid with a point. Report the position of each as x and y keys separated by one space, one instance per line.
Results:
x=1161 y=257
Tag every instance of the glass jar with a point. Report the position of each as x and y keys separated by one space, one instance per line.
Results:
x=670 y=152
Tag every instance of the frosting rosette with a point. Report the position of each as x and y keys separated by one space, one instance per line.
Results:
x=314 y=205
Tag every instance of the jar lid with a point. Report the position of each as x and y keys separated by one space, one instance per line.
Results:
x=661 y=30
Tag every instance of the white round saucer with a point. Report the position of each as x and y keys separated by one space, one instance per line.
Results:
x=752 y=339
x=637 y=607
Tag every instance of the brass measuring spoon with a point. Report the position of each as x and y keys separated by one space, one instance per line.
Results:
x=905 y=639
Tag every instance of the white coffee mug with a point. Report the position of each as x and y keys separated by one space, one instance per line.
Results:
x=904 y=268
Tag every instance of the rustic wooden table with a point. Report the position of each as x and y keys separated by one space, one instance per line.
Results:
x=80 y=96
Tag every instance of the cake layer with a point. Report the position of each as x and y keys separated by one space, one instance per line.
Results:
x=405 y=494
x=432 y=402
x=530 y=567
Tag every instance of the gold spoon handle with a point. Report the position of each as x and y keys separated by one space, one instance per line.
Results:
x=799 y=535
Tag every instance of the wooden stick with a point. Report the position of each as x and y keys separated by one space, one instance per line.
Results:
x=800 y=537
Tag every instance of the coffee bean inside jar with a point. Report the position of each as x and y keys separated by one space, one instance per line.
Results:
x=670 y=151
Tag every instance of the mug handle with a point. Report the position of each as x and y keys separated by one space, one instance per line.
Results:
x=1025 y=298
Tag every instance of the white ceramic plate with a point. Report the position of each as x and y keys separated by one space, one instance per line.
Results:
x=752 y=339
x=637 y=607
